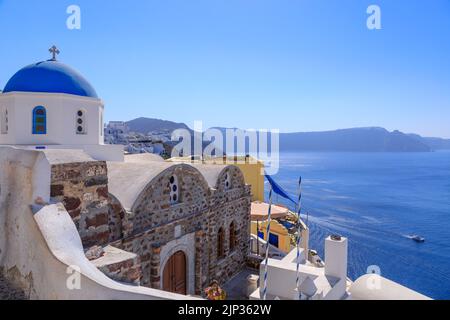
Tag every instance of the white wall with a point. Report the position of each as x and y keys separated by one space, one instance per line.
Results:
x=375 y=287
x=41 y=179
x=282 y=276
x=336 y=252
x=61 y=119
x=5 y=104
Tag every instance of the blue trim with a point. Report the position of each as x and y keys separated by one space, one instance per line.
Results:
x=273 y=239
x=39 y=120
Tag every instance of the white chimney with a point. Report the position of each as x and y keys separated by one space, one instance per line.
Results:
x=336 y=248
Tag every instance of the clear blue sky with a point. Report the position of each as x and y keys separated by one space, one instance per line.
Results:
x=296 y=65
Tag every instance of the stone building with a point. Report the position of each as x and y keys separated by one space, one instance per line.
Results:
x=187 y=224
x=141 y=220
x=181 y=216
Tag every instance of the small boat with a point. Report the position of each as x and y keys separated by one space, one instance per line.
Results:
x=417 y=238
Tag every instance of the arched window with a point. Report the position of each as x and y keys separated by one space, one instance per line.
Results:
x=174 y=190
x=220 y=244
x=80 y=124
x=39 y=120
x=232 y=236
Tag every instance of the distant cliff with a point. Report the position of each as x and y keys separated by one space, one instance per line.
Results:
x=433 y=143
x=370 y=139
x=356 y=139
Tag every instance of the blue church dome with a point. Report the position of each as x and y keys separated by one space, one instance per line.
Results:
x=51 y=77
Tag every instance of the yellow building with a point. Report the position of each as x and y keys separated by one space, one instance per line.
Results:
x=253 y=171
x=279 y=235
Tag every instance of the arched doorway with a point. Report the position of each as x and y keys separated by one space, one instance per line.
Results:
x=174 y=274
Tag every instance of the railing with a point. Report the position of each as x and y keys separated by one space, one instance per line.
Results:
x=256 y=242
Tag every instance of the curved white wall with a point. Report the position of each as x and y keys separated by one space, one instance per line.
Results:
x=375 y=287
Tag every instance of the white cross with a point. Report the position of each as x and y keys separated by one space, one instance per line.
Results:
x=54 y=51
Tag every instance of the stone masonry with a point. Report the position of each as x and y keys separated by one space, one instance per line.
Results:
x=83 y=189
x=202 y=211
x=120 y=265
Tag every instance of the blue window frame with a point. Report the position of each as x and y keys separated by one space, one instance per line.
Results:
x=39 y=120
x=273 y=239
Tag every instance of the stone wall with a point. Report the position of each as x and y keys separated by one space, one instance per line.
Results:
x=146 y=243
x=222 y=269
x=229 y=206
x=120 y=265
x=154 y=209
x=83 y=189
x=116 y=220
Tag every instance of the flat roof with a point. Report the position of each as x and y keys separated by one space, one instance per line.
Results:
x=260 y=210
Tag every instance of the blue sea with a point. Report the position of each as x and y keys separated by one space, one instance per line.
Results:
x=377 y=200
